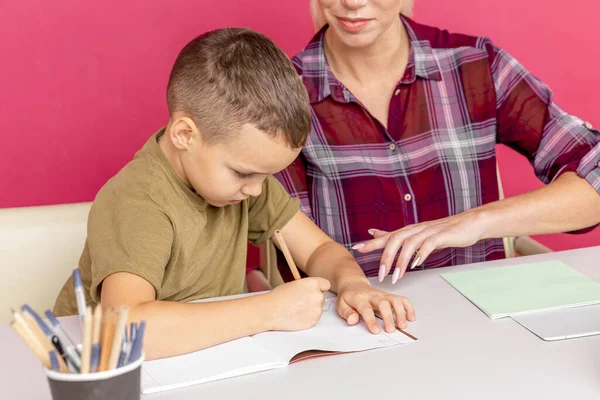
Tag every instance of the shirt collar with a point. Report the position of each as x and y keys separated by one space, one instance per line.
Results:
x=320 y=81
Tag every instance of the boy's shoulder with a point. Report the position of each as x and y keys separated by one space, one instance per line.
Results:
x=132 y=184
x=147 y=182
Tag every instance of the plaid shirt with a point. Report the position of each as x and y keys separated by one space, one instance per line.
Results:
x=459 y=97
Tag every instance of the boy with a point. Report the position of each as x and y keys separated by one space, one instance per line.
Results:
x=173 y=224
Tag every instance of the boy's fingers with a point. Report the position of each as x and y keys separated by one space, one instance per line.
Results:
x=409 y=308
x=385 y=310
x=400 y=312
x=366 y=312
x=347 y=312
x=324 y=284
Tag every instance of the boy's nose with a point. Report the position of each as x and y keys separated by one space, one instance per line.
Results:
x=253 y=189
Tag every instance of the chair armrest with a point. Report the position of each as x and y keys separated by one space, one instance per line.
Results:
x=268 y=263
x=526 y=246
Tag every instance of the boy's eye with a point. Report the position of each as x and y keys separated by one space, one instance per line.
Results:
x=242 y=175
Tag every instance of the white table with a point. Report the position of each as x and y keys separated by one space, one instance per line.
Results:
x=461 y=354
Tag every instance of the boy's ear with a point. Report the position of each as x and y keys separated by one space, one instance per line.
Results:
x=184 y=133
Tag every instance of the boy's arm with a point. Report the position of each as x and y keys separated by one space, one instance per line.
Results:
x=177 y=328
x=318 y=255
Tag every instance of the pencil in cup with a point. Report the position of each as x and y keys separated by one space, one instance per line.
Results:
x=63 y=335
x=45 y=336
x=58 y=356
x=86 y=350
x=28 y=338
x=107 y=336
x=117 y=344
x=97 y=329
x=286 y=253
x=31 y=333
x=79 y=293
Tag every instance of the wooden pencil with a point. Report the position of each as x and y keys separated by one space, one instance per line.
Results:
x=108 y=333
x=86 y=351
x=31 y=342
x=286 y=253
x=97 y=324
x=43 y=340
x=117 y=343
x=37 y=332
x=96 y=332
x=40 y=337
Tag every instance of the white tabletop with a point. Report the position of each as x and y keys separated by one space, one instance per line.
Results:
x=460 y=354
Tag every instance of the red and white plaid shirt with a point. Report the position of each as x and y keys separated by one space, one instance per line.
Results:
x=459 y=97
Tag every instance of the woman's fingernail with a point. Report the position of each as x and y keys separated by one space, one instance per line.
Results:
x=415 y=262
x=396 y=275
x=377 y=330
x=382 y=272
x=403 y=325
x=371 y=232
x=358 y=246
x=390 y=328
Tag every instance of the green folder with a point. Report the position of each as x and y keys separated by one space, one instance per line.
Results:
x=520 y=289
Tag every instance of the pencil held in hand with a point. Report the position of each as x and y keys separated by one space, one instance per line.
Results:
x=288 y=256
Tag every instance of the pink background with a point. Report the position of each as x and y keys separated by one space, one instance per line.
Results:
x=83 y=83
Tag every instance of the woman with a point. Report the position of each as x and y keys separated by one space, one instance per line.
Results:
x=401 y=156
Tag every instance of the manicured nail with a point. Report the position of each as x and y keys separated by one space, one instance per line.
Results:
x=382 y=272
x=403 y=325
x=371 y=232
x=415 y=262
x=377 y=330
x=396 y=275
x=389 y=328
x=358 y=246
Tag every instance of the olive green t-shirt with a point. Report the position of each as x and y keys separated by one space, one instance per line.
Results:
x=147 y=222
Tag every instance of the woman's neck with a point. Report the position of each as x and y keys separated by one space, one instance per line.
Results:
x=381 y=58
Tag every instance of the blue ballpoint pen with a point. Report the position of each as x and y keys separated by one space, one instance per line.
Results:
x=136 y=347
x=79 y=295
x=49 y=334
x=71 y=349
x=54 y=360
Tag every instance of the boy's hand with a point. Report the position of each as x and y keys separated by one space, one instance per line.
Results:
x=298 y=304
x=359 y=299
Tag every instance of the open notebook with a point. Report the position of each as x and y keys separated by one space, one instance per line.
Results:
x=265 y=351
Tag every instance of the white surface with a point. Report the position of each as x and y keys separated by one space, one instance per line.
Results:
x=262 y=352
x=563 y=324
x=460 y=354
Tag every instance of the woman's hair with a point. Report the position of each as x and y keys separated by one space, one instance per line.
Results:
x=319 y=20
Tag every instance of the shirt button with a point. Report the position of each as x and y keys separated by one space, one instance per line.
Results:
x=588 y=125
x=407 y=197
x=392 y=146
x=396 y=92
